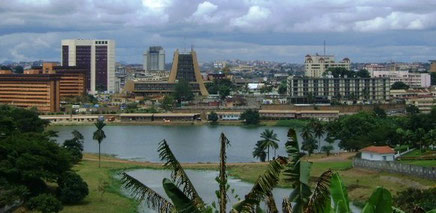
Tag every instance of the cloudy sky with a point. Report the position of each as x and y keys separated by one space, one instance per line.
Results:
x=277 y=30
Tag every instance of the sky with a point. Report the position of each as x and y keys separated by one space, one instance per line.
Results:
x=273 y=30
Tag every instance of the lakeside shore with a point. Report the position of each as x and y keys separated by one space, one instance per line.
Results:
x=360 y=182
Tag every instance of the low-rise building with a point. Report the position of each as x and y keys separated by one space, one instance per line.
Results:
x=343 y=90
x=413 y=80
x=166 y=117
x=378 y=153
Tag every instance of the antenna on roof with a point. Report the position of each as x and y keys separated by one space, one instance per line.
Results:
x=324 y=47
x=192 y=47
x=184 y=43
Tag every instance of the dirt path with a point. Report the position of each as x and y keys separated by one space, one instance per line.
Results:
x=343 y=156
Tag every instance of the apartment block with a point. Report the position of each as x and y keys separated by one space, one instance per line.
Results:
x=413 y=80
x=343 y=90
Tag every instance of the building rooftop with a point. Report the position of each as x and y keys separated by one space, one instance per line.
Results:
x=378 y=149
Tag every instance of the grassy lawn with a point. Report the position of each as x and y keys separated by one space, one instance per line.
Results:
x=112 y=200
x=414 y=153
x=360 y=183
x=426 y=163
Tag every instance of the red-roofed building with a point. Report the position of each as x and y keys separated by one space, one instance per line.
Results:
x=378 y=153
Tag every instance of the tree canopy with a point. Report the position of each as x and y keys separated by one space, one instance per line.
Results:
x=399 y=85
x=183 y=91
x=250 y=116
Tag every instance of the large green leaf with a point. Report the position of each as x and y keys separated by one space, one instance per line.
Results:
x=181 y=202
x=339 y=194
x=379 y=202
x=320 y=200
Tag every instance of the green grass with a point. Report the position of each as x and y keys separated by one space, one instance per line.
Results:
x=113 y=200
x=414 y=153
x=426 y=163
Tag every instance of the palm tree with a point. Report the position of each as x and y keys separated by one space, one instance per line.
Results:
x=318 y=131
x=307 y=132
x=259 y=151
x=99 y=135
x=269 y=140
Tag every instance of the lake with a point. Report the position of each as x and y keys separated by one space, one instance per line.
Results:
x=205 y=184
x=188 y=143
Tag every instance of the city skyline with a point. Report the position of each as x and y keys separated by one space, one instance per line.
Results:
x=364 y=31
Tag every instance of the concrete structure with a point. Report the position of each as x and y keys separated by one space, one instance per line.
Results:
x=324 y=115
x=432 y=65
x=413 y=80
x=185 y=67
x=166 y=117
x=396 y=167
x=424 y=99
x=229 y=116
x=69 y=118
x=378 y=153
x=31 y=90
x=317 y=65
x=343 y=90
x=97 y=57
x=154 y=59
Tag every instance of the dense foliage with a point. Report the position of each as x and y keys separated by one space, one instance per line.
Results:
x=340 y=72
x=183 y=91
x=399 y=85
x=72 y=189
x=223 y=87
x=45 y=203
x=409 y=199
x=250 y=116
x=374 y=128
x=30 y=159
x=269 y=140
x=213 y=117
x=75 y=146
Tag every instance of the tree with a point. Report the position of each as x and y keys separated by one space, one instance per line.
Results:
x=363 y=73
x=19 y=70
x=167 y=103
x=309 y=145
x=307 y=132
x=340 y=72
x=213 y=117
x=399 y=85
x=327 y=149
x=259 y=151
x=283 y=87
x=269 y=140
x=318 y=130
x=99 y=135
x=45 y=203
x=75 y=146
x=72 y=189
x=407 y=200
x=250 y=116
x=412 y=109
x=379 y=112
x=183 y=91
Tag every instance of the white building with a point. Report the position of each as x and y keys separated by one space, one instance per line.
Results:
x=154 y=59
x=316 y=65
x=97 y=56
x=413 y=80
x=378 y=153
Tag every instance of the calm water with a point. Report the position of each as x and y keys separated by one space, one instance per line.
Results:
x=189 y=143
x=205 y=184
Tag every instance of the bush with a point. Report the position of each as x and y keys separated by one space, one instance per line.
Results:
x=407 y=200
x=45 y=203
x=213 y=117
x=250 y=116
x=72 y=189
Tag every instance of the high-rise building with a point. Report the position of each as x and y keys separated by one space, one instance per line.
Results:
x=185 y=67
x=316 y=65
x=97 y=57
x=154 y=59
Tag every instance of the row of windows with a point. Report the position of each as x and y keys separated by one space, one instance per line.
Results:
x=100 y=42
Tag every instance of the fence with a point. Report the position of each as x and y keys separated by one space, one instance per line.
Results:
x=396 y=167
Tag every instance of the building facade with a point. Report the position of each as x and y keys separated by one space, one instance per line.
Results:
x=343 y=90
x=316 y=65
x=97 y=57
x=154 y=59
x=31 y=90
x=432 y=65
x=414 y=80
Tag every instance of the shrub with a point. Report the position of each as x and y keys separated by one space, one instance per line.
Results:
x=250 y=116
x=45 y=203
x=72 y=189
x=213 y=117
x=408 y=199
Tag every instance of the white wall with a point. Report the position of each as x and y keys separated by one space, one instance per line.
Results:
x=376 y=156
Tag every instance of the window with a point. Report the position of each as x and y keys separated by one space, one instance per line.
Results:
x=384 y=158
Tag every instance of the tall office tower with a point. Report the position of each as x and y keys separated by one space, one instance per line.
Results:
x=185 y=67
x=154 y=59
x=316 y=65
x=97 y=57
